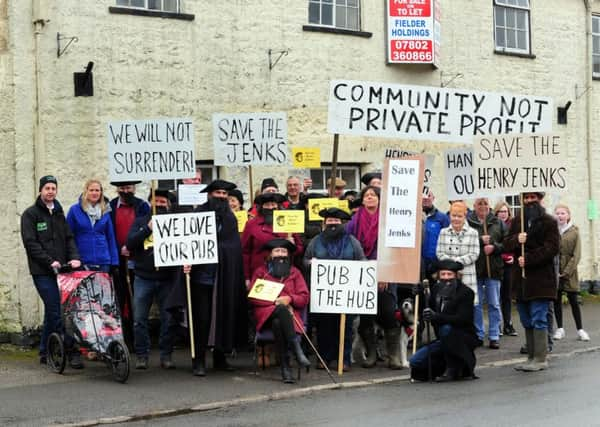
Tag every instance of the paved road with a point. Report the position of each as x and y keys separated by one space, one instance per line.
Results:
x=564 y=395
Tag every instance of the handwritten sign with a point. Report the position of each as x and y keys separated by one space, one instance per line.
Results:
x=265 y=290
x=306 y=157
x=459 y=173
x=244 y=139
x=512 y=164
x=185 y=239
x=400 y=217
x=316 y=205
x=399 y=153
x=290 y=221
x=432 y=113
x=151 y=149
x=191 y=194
x=341 y=286
x=242 y=219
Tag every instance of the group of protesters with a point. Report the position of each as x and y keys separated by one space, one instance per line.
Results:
x=472 y=258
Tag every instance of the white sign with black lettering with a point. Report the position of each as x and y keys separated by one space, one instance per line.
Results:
x=398 y=153
x=191 y=194
x=244 y=139
x=185 y=239
x=400 y=218
x=151 y=149
x=432 y=113
x=459 y=173
x=341 y=286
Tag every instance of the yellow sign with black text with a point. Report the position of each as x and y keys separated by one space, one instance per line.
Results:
x=288 y=221
x=306 y=157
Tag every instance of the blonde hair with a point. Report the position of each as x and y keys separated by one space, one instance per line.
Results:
x=101 y=202
x=459 y=206
x=499 y=206
x=563 y=206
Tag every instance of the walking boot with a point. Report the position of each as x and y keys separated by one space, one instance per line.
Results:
x=220 y=362
x=392 y=343
x=286 y=369
x=529 y=346
x=75 y=360
x=199 y=365
x=540 y=351
x=370 y=342
x=300 y=356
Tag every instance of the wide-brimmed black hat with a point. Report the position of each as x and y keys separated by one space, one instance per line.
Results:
x=162 y=192
x=448 y=264
x=334 y=213
x=238 y=195
x=540 y=194
x=268 y=182
x=279 y=243
x=269 y=197
x=122 y=183
x=368 y=177
x=219 y=184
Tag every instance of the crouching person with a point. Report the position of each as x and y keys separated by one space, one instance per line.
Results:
x=450 y=313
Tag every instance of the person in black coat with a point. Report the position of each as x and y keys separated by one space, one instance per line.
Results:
x=450 y=312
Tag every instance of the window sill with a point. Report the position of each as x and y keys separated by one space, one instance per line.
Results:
x=517 y=54
x=331 y=30
x=596 y=78
x=150 y=13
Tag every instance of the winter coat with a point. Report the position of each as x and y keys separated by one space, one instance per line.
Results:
x=496 y=231
x=255 y=235
x=294 y=287
x=96 y=243
x=570 y=254
x=46 y=237
x=542 y=245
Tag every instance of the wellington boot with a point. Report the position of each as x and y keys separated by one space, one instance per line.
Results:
x=529 y=345
x=370 y=341
x=392 y=343
x=540 y=351
x=299 y=354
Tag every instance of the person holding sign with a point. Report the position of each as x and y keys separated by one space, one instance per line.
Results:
x=489 y=268
x=340 y=186
x=291 y=301
x=294 y=193
x=334 y=242
x=450 y=310
x=534 y=244
x=503 y=213
x=236 y=200
x=150 y=282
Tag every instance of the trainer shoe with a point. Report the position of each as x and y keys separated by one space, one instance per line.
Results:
x=509 y=330
x=167 y=363
x=75 y=360
x=141 y=362
x=582 y=335
x=559 y=334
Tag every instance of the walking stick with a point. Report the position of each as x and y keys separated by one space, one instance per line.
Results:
x=487 y=257
x=314 y=349
x=426 y=293
x=128 y=281
x=522 y=215
x=190 y=318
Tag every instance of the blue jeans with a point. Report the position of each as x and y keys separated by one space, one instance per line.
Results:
x=47 y=288
x=490 y=289
x=534 y=314
x=144 y=293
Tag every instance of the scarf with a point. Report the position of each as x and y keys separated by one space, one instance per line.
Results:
x=335 y=247
x=367 y=230
x=94 y=212
x=562 y=229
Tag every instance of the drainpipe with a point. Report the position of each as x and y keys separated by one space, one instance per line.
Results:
x=588 y=131
x=39 y=144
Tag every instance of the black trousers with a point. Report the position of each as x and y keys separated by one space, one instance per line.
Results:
x=122 y=291
x=572 y=297
x=282 y=323
x=201 y=313
x=506 y=296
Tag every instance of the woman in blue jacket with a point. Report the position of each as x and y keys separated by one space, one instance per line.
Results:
x=90 y=222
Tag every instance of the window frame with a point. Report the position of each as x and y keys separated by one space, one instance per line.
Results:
x=595 y=75
x=326 y=167
x=502 y=4
x=151 y=10
x=334 y=25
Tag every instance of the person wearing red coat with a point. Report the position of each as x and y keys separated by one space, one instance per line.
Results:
x=292 y=299
x=259 y=231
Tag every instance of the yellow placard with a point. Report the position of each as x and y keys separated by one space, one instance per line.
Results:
x=345 y=206
x=242 y=219
x=315 y=206
x=148 y=242
x=265 y=290
x=306 y=158
x=290 y=221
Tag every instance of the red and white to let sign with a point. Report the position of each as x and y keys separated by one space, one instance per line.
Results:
x=412 y=28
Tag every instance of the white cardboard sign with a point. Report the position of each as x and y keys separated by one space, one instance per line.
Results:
x=191 y=194
x=459 y=173
x=400 y=217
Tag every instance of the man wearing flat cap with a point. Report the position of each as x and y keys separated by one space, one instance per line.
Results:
x=534 y=281
x=333 y=243
x=340 y=186
x=450 y=312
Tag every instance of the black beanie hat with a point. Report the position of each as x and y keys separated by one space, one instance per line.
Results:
x=47 y=179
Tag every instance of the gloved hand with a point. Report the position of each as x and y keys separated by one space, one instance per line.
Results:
x=417 y=289
x=429 y=315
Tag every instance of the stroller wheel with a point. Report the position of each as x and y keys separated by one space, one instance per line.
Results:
x=57 y=357
x=119 y=361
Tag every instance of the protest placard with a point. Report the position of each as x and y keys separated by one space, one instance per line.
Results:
x=244 y=139
x=316 y=205
x=458 y=164
x=242 y=219
x=398 y=153
x=185 y=239
x=288 y=221
x=511 y=164
x=307 y=157
x=431 y=113
x=345 y=206
x=151 y=149
x=399 y=238
x=191 y=194
x=341 y=286
x=265 y=290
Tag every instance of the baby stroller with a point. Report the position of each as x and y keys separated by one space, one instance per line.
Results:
x=91 y=316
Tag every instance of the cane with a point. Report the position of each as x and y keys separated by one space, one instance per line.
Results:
x=426 y=293
x=314 y=349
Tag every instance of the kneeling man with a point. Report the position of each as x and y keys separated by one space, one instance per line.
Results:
x=450 y=313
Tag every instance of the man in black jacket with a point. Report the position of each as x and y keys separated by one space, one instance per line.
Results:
x=450 y=311
x=150 y=282
x=49 y=243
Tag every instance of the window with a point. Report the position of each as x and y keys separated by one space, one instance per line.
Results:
x=343 y=14
x=511 y=21
x=349 y=173
x=596 y=46
x=161 y=5
x=514 y=203
x=209 y=173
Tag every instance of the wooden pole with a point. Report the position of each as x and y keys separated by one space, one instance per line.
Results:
x=415 y=324
x=341 y=346
x=334 y=161
x=190 y=317
x=487 y=257
x=250 y=189
x=522 y=215
x=153 y=202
